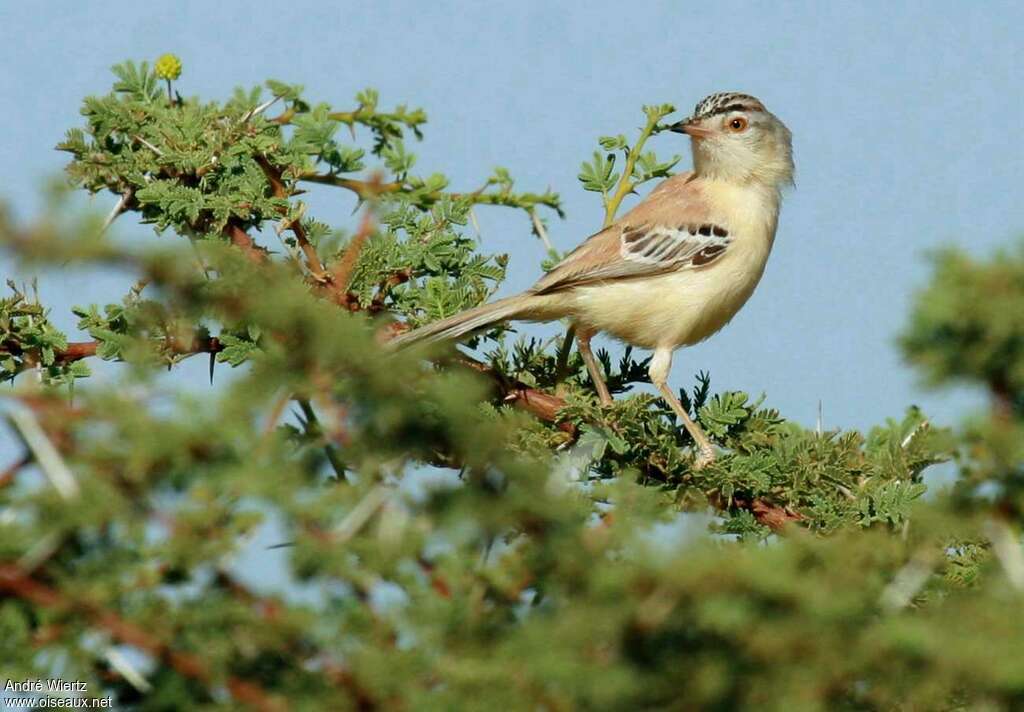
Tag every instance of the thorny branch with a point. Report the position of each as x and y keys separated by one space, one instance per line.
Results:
x=313 y=262
x=370 y=189
x=342 y=272
x=335 y=282
x=240 y=238
x=78 y=350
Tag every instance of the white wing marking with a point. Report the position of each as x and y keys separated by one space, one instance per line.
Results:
x=664 y=246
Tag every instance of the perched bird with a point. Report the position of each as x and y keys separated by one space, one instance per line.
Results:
x=677 y=267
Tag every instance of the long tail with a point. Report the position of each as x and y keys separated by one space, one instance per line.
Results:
x=470 y=320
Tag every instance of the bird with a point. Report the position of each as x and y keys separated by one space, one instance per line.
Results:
x=678 y=266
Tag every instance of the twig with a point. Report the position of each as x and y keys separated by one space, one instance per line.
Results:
x=123 y=665
x=83 y=349
x=285 y=117
x=259 y=109
x=277 y=186
x=361 y=513
x=50 y=461
x=342 y=272
x=370 y=189
x=476 y=225
x=361 y=114
x=314 y=428
x=77 y=350
x=562 y=361
x=1007 y=547
x=240 y=238
x=539 y=230
x=543 y=405
x=385 y=286
x=363 y=188
x=770 y=515
x=626 y=185
x=275 y=414
x=921 y=427
x=150 y=146
x=908 y=582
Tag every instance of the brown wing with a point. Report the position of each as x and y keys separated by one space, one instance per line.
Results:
x=666 y=231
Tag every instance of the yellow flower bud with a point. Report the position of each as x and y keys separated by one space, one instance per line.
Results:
x=168 y=66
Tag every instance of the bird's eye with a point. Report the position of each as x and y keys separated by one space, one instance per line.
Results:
x=738 y=124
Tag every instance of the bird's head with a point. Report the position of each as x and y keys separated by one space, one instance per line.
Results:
x=735 y=138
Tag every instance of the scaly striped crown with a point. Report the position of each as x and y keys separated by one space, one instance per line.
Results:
x=724 y=102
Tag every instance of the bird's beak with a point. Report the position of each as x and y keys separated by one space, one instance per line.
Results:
x=689 y=126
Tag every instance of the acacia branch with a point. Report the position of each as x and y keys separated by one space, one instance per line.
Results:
x=369 y=189
x=277 y=186
x=78 y=350
x=345 y=267
x=770 y=515
x=365 y=189
x=31 y=357
x=542 y=405
x=363 y=114
x=240 y=238
x=336 y=281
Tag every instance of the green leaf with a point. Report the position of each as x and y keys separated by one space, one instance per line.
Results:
x=598 y=175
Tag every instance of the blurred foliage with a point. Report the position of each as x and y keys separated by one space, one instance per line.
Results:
x=968 y=325
x=456 y=528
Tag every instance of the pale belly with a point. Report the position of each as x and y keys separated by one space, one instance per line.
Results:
x=677 y=309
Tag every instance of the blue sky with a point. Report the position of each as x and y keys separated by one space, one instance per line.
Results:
x=904 y=118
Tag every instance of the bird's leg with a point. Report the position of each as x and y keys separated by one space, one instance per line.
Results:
x=583 y=337
x=658 y=371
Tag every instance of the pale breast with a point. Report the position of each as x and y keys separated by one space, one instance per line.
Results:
x=676 y=309
x=687 y=306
